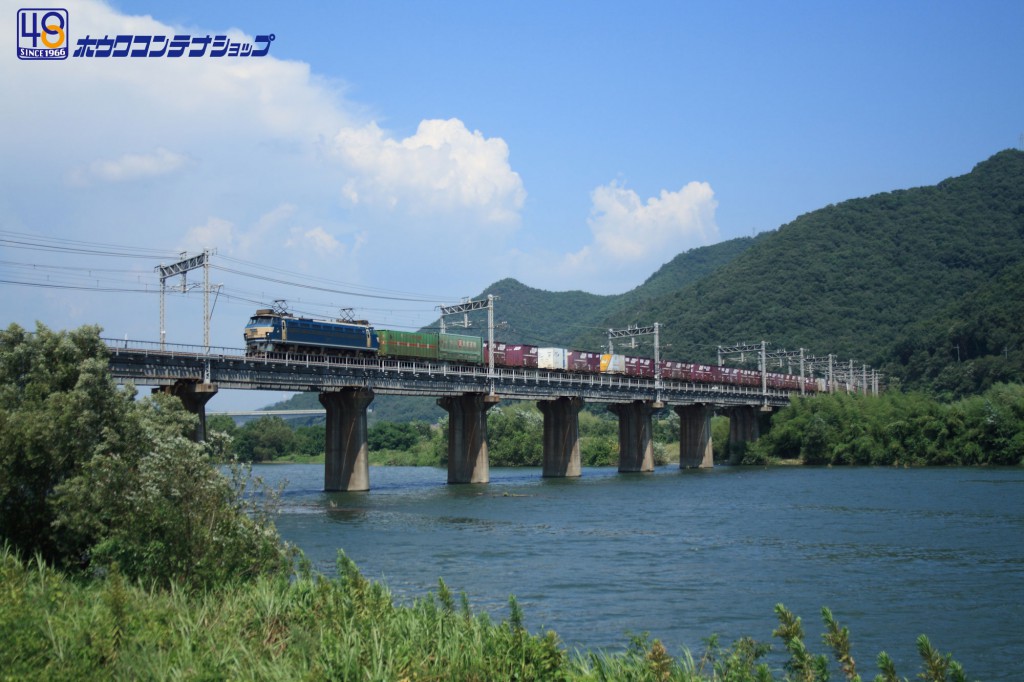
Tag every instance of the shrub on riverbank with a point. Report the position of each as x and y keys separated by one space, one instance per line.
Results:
x=312 y=627
x=90 y=477
x=906 y=429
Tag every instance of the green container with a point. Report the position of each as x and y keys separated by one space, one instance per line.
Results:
x=461 y=348
x=395 y=344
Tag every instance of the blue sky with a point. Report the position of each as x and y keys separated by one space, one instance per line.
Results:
x=431 y=148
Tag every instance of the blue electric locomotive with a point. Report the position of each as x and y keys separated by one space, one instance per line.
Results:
x=269 y=331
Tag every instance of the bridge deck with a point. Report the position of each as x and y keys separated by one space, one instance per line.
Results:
x=145 y=363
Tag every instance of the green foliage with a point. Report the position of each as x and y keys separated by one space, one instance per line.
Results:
x=515 y=435
x=348 y=627
x=93 y=479
x=310 y=441
x=971 y=345
x=397 y=435
x=599 y=439
x=264 y=439
x=896 y=428
x=58 y=406
x=221 y=423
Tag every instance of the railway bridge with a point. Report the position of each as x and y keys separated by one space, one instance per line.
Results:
x=347 y=385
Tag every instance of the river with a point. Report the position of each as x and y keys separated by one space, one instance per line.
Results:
x=894 y=553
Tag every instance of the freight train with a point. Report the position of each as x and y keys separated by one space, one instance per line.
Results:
x=269 y=333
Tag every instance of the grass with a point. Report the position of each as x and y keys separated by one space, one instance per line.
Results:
x=309 y=627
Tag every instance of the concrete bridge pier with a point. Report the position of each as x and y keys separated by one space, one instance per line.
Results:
x=467 y=436
x=695 y=447
x=194 y=397
x=561 y=437
x=636 y=447
x=346 y=455
x=744 y=428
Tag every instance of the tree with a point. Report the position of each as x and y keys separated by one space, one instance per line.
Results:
x=166 y=514
x=58 y=406
x=515 y=435
x=90 y=477
x=264 y=439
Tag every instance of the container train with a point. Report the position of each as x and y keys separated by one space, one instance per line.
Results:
x=270 y=332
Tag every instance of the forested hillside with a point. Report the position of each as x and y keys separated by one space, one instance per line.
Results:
x=853 y=277
x=926 y=284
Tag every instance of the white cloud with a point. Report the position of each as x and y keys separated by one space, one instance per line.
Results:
x=215 y=233
x=317 y=240
x=130 y=167
x=630 y=239
x=627 y=230
x=443 y=167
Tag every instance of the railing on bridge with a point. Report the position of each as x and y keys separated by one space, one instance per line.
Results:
x=145 y=362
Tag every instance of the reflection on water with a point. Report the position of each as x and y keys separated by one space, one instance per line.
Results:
x=894 y=553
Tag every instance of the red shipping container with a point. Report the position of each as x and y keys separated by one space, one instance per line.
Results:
x=525 y=356
x=512 y=355
x=674 y=370
x=639 y=367
x=583 y=361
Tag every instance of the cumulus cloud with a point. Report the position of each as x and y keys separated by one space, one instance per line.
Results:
x=626 y=229
x=130 y=167
x=630 y=238
x=442 y=167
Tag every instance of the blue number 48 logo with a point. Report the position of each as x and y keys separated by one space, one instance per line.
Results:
x=42 y=33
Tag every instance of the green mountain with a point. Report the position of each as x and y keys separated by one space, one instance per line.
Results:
x=925 y=283
x=853 y=277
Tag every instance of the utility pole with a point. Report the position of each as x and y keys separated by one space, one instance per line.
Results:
x=633 y=331
x=182 y=267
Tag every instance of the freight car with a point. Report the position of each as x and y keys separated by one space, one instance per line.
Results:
x=269 y=332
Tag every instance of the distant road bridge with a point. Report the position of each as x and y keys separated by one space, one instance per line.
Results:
x=347 y=385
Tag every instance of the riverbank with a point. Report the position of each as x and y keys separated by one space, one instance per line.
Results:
x=312 y=627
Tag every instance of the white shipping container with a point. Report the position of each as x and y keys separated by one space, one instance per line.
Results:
x=552 y=358
x=613 y=364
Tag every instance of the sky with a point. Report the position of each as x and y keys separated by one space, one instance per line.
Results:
x=393 y=156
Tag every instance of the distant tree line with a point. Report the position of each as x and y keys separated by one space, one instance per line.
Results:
x=907 y=429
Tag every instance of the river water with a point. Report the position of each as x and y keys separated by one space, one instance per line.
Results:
x=894 y=553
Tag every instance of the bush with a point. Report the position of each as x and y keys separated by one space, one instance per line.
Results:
x=92 y=479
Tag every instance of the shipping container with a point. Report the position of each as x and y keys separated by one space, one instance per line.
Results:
x=500 y=354
x=396 y=344
x=613 y=363
x=527 y=354
x=702 y=374
x=639 y=367
x=552 y=358
x=583 y=361
x=512 y=355
x=675 y=371
x=461 y=348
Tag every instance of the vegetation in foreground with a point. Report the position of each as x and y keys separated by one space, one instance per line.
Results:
x=347 y=628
